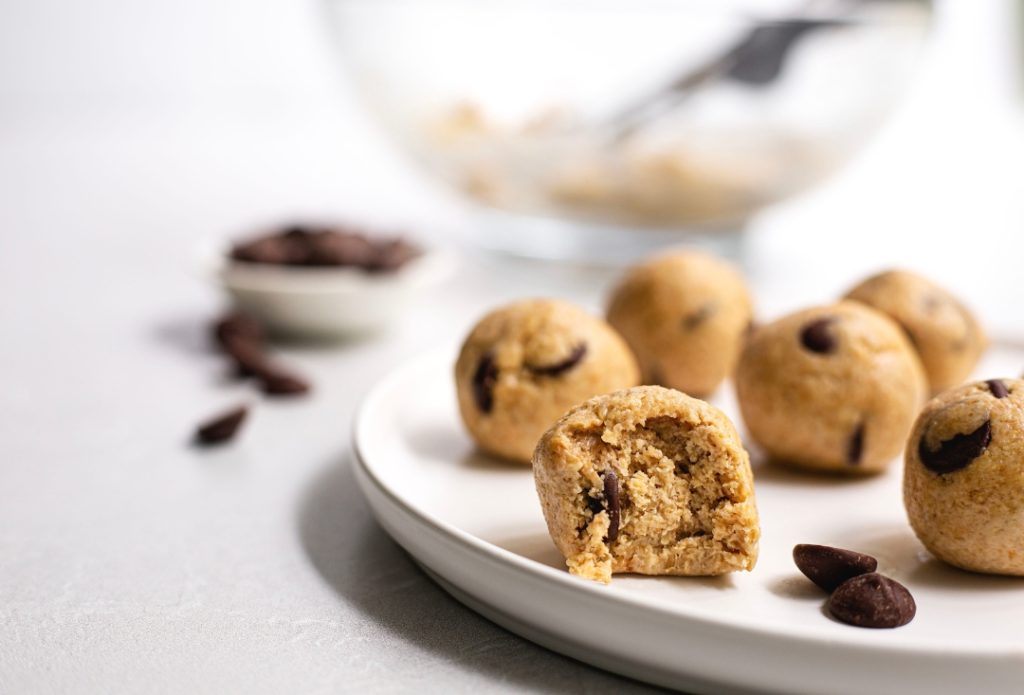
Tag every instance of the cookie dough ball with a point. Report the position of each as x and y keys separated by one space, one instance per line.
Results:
x=963 y=484
x=945 y=334
x=524 y=365
x=685 y=316
x=830 y=388
x=647 y=480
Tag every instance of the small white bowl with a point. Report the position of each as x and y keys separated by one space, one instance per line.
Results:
x=322 y=303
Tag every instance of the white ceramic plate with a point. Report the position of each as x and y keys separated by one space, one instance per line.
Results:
x=475 y=524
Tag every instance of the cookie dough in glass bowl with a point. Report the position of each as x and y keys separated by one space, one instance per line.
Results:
x=600 y=130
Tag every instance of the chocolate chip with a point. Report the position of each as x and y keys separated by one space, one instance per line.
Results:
x=595 y=505
x=998 y=388
x=281 y=383
x=318 y=246
x=817 y=337
x=855 y=449
x=956 y=453
x=696 y=318
x=222 y=428
x=574 y=358
x=391 y=255
x=484 y=379
x=611 y=500
x=872 y=600
x=238 y=326
x=829 y=567
x=249 y=358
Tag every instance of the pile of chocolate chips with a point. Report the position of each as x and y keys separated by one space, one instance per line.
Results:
x=242 y=339
x=325 y=247
x=858 y=595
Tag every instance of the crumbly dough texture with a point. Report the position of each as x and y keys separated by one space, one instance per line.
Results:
x=971 y=517
x=685 y=316
x=947 y=336
x=847 y=409
x=686 y=492
x=530 y=346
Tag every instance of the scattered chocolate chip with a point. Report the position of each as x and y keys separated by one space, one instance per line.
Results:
x=696 y=318
x=280 y=383
x=574 y=358
x=998 y=388
x=235 y=327
x=611 y=499
x=817 y=337
x=829 y=567
x=855 y=449
x=222 y=428
x=956 y=453
x=306 y=245
x=872 y=600
x=249 y=358
x=595 y=505
x=484 y=379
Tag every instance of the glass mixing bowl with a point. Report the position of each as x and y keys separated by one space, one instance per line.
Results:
x=598 y=129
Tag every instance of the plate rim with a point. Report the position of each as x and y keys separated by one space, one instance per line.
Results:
x=800 y=636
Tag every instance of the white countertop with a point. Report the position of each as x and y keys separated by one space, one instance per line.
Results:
x=133 y=563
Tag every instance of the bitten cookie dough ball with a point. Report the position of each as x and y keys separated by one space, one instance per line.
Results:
x=830 y=388
x=647 y=480
x=524 y=365
x=685 y=316
x=963 y=483
x=945 y=334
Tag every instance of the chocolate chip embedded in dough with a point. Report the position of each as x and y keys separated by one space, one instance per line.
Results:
x=855 y=448
x=998 y=388
x=574 y=358
x=484 y=379
x=817 y=336
x=695 y=318
x=957 y=452
x=611 y=500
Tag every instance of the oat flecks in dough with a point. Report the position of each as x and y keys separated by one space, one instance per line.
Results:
x=965 y=496
x=832 y=388
x=686 y=495
x=525 y=364
x=685 y=315
x=947 y=336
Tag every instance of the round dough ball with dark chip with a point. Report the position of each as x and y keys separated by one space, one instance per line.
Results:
x=963 y=479
x=524 y=365
x=647 y=480
x=685 y=315
x=832 y=388
x=945 y=334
